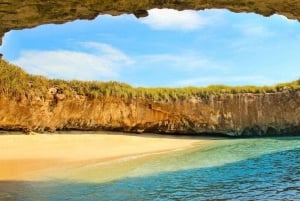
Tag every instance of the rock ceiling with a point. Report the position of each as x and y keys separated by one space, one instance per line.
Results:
x=16 y=14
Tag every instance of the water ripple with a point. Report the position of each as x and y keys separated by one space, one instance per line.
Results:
x=259 y=175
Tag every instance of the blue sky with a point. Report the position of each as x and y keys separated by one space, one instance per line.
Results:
x=167 y=48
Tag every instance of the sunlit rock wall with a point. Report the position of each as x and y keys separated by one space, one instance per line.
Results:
x=242 y=114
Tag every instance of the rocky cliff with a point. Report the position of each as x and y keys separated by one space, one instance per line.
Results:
x=16 y=14
x=243 y=114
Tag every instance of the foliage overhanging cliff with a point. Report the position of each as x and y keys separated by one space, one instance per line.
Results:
x=29 y=102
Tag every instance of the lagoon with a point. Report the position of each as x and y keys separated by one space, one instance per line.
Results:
x=228 y=169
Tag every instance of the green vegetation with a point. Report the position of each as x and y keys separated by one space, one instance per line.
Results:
x=15 y=82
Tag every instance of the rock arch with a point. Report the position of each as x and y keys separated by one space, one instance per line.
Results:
x=16 y=14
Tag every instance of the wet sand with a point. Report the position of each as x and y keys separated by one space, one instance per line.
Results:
x=23 y=156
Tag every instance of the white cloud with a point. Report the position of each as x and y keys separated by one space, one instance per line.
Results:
x=185 y=62
x=253 y=37
x=108 y=52
x=102 y=62
x=254 y=30
x=284 y=19
x=169 y=19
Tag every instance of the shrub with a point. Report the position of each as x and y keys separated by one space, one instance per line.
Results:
x=14 y=81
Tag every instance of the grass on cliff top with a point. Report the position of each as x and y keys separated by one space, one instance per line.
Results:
x=15 y=82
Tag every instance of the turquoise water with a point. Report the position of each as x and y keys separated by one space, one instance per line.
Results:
x=244 y=169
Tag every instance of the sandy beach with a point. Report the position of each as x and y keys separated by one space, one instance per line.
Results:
x=22 y=155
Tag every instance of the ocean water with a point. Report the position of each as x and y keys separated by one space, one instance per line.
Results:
x=243 y=169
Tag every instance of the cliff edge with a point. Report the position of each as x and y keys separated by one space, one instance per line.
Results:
x=34 y=103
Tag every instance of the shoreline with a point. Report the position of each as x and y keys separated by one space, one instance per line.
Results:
x=147 y=134
x=129 y=133
x=36 y=157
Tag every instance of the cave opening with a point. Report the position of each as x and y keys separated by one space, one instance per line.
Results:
x=168 y=48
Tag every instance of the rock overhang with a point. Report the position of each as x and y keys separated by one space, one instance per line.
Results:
x=15 y=14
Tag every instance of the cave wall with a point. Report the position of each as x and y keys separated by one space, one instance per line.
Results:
x=16 y=14
x=240 y=114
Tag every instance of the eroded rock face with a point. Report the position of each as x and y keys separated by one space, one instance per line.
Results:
x=16 y=14
x=243 y=114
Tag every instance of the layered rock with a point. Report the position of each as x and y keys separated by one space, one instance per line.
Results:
x=16 y=14
x=244 y=114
